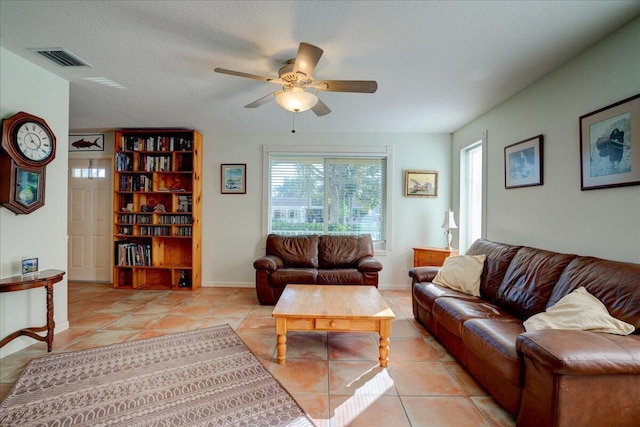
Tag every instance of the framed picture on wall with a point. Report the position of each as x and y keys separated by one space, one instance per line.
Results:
x=421 y=184
x=86 y=142
x=233 y=178
x=523 y=163
x=609 y=152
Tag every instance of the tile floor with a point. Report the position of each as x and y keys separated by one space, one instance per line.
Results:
x=335 y=377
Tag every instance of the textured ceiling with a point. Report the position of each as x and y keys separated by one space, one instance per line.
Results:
x=438 y=64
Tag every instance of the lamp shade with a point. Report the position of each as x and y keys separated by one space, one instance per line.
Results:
x=449 y=221
x=296 y=100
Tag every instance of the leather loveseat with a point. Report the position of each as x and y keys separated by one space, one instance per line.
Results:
x=548 y=377
x=314 y=259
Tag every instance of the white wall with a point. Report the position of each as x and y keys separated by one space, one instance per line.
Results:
x=558 y=215
x=232 y=235
x=43 y=233
x=232 y=224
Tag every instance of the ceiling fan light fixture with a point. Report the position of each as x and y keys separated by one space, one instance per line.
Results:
x=296 y=100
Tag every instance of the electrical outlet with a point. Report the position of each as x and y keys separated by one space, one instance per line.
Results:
x=404 y=271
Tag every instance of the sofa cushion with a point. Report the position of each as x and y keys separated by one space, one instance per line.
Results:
x=451 y=313
x=578 y=311
x=599 y=277
x=343 y=251
x=339 y=276
x=427 y=293
x=569 y=352
x=494 y=342
x=284 y=276
x=499 y=256
x=529 y=280
x=462 y=273
x=295 y=251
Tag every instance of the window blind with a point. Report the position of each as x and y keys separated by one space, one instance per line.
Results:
x=327 y=195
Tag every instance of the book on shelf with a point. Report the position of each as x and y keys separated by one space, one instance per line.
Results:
x=184 y=203
x=123 y=162
x=155 y=143
x=155 y=163
x=129 y=253
x=136 y=183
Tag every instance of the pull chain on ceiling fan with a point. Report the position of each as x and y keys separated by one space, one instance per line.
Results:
x=299 y=90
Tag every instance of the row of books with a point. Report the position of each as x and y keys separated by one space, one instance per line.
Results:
x=126 y=230
x=176 y=219
x=129 y=253
x=155 y=231
x=155 y=143
x=155 y=163
x=135 y=219
x=136 y=183
x=184 y=231
x=124 y=162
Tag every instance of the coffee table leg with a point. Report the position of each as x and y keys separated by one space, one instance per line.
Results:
x=281 y=332
x=385 y=331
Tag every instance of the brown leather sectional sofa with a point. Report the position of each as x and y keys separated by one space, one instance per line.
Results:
x=547 y=377
x=310 y=259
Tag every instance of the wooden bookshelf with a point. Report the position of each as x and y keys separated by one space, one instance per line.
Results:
x=157 y=209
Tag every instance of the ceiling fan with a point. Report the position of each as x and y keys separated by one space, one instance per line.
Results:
x=299 y=89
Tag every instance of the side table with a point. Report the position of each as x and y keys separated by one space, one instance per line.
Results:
x=45 y=279
x=431 y=257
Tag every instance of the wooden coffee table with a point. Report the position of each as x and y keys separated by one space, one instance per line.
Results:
x=332 y=308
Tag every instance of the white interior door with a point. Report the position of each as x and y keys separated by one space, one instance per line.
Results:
x=89 y=220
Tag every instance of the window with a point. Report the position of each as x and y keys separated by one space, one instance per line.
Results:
x=89 y=172
x=337 y=193
x=471 y=194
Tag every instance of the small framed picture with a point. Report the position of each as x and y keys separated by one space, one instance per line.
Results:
x=523 y=163
x=86 y=142
x=421 y=184
x=607 y=145
x=233 y=178
x=29 y=266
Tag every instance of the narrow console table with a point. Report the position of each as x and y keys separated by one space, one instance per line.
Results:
x=45 y=279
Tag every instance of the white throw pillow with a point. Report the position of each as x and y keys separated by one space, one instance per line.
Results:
x=461 y=273
x=580 y=311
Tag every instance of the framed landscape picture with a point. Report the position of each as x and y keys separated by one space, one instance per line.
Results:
x=523 y=163
x=421 y=184
x=610 y=146
x=233 y=178
x=29 y=266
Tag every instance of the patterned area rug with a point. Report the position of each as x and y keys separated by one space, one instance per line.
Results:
x=206 y=377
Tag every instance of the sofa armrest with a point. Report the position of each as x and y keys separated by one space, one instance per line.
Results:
x=268 y=262
x=369 y=264
x=569 y=352
x=423 y=274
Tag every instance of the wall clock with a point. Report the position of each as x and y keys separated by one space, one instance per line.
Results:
x=28 y=146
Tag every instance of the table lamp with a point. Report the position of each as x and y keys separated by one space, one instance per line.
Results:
x=448 y=224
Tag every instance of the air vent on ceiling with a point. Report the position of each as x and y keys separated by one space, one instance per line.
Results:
x=61 y=56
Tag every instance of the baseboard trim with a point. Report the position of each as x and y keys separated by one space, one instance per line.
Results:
x=251 y=285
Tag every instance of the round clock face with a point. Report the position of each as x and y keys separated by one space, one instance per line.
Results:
x=33 y=141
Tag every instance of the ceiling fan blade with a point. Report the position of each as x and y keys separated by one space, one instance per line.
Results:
x=307 y=58
x=263 y=100
x=362 y=86
x=320 y=108
x=247 y=75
